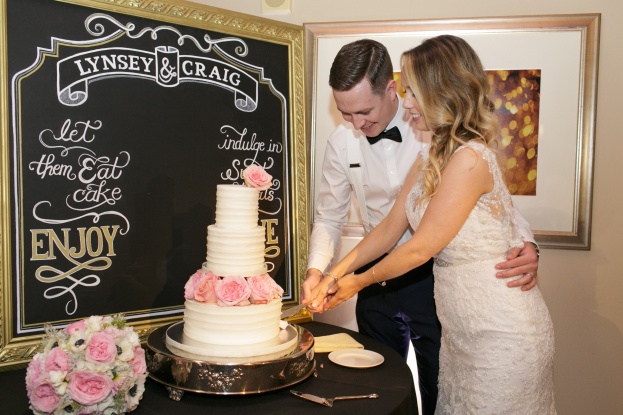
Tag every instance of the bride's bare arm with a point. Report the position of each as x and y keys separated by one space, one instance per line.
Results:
x=465 y=178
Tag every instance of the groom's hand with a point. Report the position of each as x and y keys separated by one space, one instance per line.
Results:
x=520 y=262
x=312 y=278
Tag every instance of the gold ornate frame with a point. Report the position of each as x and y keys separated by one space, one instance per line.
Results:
x=564 y=45
x=16 y=352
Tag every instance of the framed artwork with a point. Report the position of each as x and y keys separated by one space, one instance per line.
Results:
x=544 y=71
x=118 y=121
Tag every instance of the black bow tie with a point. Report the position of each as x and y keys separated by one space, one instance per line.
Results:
x=392 y=134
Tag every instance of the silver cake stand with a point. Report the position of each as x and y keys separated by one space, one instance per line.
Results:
x=180 y=371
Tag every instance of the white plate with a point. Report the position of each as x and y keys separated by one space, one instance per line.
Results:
x=357 y=358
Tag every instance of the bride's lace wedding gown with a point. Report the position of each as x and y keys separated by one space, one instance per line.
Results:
x=497 y=342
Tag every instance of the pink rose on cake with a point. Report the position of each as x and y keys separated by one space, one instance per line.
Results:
x=201 y=287
x=263 y=289
x=256 y=177
x=277 y=290
x=205 y=291
x=191 y=285
x=233 y=290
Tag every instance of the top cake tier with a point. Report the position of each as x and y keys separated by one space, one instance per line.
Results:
x=236 y=207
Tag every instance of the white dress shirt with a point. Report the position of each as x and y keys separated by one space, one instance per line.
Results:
x=385 y=166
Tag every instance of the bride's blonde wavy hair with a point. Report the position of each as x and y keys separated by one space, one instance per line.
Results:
x=449 y=82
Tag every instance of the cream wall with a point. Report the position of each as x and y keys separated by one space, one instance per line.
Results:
x=583 y=289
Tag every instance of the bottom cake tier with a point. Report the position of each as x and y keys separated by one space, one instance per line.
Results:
x=182 y=345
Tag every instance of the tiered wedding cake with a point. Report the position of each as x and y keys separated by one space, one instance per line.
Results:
x=233 y=306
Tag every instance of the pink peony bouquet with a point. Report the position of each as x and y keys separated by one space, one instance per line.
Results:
x=93 y=366
x=205 y=287
x=255 y=176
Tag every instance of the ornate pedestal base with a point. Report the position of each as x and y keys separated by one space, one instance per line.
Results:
x=181 y=372
x=175 y=394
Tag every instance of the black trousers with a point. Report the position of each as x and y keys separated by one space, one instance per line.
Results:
x=401 y=312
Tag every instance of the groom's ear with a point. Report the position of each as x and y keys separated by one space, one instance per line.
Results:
x=390 y=89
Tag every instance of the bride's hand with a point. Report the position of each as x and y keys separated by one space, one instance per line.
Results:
x=344 y=289
x=319 y=294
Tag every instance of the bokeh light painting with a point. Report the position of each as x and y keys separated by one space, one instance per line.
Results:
x=516 y=96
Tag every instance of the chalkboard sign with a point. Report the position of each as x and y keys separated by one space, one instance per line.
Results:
x=120 y=122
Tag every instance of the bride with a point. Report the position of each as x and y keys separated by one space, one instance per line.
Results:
x=497 y=344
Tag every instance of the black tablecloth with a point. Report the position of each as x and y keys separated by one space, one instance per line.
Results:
x=392 y=381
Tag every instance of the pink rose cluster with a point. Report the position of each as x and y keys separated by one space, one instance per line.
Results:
x=94 y=365
x=205 y=287
x=256 y=177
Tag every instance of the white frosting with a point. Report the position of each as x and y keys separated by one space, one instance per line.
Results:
x=236 y=206
x=235 y=242
x=236 y=251
x=285 y=342
x=238 y=325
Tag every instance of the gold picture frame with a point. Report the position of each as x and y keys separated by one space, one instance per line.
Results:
x=184 y=25
x=564 y=47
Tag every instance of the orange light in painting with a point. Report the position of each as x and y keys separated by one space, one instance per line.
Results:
x=516 y=96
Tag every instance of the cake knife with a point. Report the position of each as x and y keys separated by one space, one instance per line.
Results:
x=329 y=401
x=292 y=311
